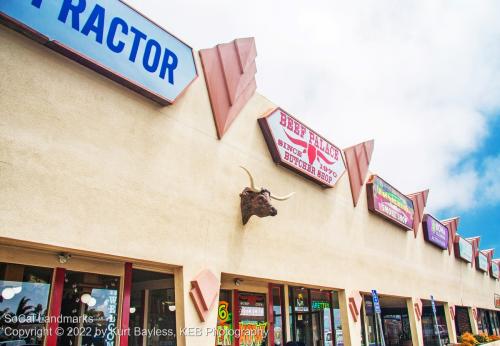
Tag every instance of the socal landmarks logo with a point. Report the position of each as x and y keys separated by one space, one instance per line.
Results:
x=297 y=147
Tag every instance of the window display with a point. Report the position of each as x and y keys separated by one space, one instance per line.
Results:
x=278 y=315
x=24 y=298
x=462 y=321
x=224 y=319
x=89 y=309
x=252 y=319
x=315 y=317
x=428 y=329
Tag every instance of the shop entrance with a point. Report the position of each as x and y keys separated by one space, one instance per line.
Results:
x=78 y=303
x=309 y=328
x=395 y=322
x=428 y=326
x=313 y=317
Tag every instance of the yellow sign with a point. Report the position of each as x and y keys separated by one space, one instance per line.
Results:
x=253 y=333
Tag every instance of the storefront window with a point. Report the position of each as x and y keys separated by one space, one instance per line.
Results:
x=24 y=297
x=300 y=317
x=315 y=317
x=278 y=316
x=337 y=323
x=487 y=322
x=224 y=319
x=252 y=319
x=462 y=321
x=370 y=321
x=481 y=321
x=321 y=302
x=362 y=326
x=428 y=328
x=495 y=321
x=152 y=309
x=89 y=309
x=396 y=327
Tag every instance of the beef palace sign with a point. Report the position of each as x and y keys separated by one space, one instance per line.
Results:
x=298 y=148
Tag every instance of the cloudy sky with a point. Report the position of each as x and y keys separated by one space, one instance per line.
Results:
x=422 y=78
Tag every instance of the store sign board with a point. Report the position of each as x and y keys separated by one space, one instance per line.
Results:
x=495 y=270
x=111 y=38
x=464 y=250
x=435 y=232
x=300 y=149
x=482 y=261
x=386 y=201
x=497 y=301
x=320 y=305
x=252 y=311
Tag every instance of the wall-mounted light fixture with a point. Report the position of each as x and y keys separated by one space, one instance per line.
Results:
x=64 y=257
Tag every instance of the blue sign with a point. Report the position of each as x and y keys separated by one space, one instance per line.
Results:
x=376 y=302
x=112 y=38
x=433 y=304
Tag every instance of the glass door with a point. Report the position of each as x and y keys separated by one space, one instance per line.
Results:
x=89 y=309
x=152 y=309
x=252 y=319
x=311 y=317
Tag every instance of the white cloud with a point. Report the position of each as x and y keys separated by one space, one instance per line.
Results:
x=418 y=76
x=490 y=192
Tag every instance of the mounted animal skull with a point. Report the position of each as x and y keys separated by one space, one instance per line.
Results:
x=255 y=201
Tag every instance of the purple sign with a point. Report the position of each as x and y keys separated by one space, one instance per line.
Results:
x=435 y=232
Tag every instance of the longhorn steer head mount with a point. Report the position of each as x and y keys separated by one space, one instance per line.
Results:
x=257 y=201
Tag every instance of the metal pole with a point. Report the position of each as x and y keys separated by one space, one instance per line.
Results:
x=382 y=337
x=434 y=317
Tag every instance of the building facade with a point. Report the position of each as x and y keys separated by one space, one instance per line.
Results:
x=127 y=212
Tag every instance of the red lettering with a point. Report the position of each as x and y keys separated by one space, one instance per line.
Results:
x=311 y=137
x=324 y=177
x=296 y=129
x=302 y=130
x=294 y=160
x=290 y=124
x=283 y=119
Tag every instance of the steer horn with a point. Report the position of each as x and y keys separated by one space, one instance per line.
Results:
x=255 y=189
x=252 y=182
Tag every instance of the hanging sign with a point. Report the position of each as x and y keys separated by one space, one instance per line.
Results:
x=463 y=249
x=112 y=39
x=295 y=146
x=482 y=262
x=435 y=232
x=386 y=201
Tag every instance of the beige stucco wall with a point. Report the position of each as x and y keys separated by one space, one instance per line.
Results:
x=88 y=164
